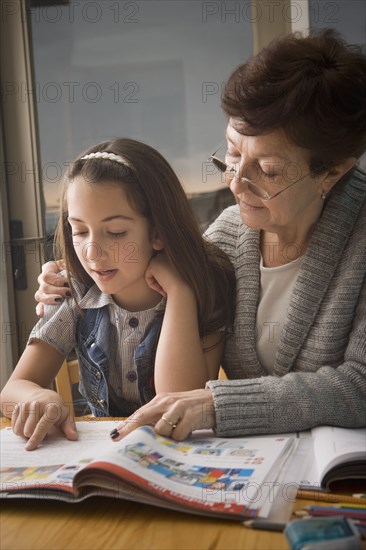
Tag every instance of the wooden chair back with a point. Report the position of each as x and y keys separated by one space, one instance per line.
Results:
x=67 y=375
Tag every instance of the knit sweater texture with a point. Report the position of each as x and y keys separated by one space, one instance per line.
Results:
x=319 y=373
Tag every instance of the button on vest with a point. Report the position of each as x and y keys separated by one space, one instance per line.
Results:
x=131 y=376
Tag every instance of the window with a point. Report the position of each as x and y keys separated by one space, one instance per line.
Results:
x=151 y=70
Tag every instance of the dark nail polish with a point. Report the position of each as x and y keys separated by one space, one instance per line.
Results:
x=59 y=300
x=66 y=285
x=68 y=294
x=114 y=433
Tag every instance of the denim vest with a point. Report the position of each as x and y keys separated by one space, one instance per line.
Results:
x=93 y=333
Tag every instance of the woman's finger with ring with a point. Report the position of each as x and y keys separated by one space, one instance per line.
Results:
x=165 y=426
x=172 y=424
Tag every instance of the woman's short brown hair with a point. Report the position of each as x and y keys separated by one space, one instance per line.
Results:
x=314 y=88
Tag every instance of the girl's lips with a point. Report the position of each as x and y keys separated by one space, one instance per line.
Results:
x=105 y=275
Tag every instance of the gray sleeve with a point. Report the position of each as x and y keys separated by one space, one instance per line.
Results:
x=224 y=231
x=57 y=327
x=298 y=400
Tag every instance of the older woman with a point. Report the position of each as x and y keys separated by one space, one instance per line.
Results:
x=296 y=356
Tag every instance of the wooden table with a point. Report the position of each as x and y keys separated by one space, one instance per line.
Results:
x=106 y=523
x=101 y=523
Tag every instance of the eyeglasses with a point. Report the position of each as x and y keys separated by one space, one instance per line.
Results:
x=253 y=187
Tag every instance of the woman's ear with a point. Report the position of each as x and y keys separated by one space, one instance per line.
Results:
x=336 y=173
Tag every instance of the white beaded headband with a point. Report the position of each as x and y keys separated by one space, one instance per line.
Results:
x=105 y=155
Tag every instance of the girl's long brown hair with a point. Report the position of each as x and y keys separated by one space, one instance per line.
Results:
x=156 y=193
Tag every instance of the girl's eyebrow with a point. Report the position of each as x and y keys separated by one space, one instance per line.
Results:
x=116 y=217
x=108 y=219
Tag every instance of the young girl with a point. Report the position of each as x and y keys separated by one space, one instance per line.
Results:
x=149 y=296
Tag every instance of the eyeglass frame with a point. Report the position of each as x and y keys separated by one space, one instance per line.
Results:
x=264 y=196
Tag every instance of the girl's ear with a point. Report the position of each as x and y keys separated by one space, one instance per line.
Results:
x=156 y=242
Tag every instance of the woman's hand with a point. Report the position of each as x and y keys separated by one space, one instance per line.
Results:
x=53 y=287
x=34 y=419
x=188 y=411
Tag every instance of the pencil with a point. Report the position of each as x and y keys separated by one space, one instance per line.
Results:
x=350 y=505
x=264 y=525
x=327 y=497
x=336 y=508
x=355 y=514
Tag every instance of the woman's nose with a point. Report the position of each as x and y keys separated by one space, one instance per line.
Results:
x=237 y=183
x=245 y=172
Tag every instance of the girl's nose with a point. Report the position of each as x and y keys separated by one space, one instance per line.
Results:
x=93 y=251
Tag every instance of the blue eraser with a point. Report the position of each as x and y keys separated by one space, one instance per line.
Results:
x=316 y=533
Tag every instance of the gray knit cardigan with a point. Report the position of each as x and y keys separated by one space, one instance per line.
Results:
x=320 y=367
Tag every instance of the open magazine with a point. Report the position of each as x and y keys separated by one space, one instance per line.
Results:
x=336 y=459
x=228 y=477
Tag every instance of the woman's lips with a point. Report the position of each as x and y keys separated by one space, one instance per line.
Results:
x=249 y=207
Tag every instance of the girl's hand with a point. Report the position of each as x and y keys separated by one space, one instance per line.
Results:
x=53 y=287
x=188 y=411
x=161 y=275
x=34 y=419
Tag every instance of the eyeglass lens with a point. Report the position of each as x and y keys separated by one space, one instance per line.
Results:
x=220 y=164
x=223 y=167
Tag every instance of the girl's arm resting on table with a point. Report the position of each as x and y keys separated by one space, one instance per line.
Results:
x=26 y=399
x=183 y=361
